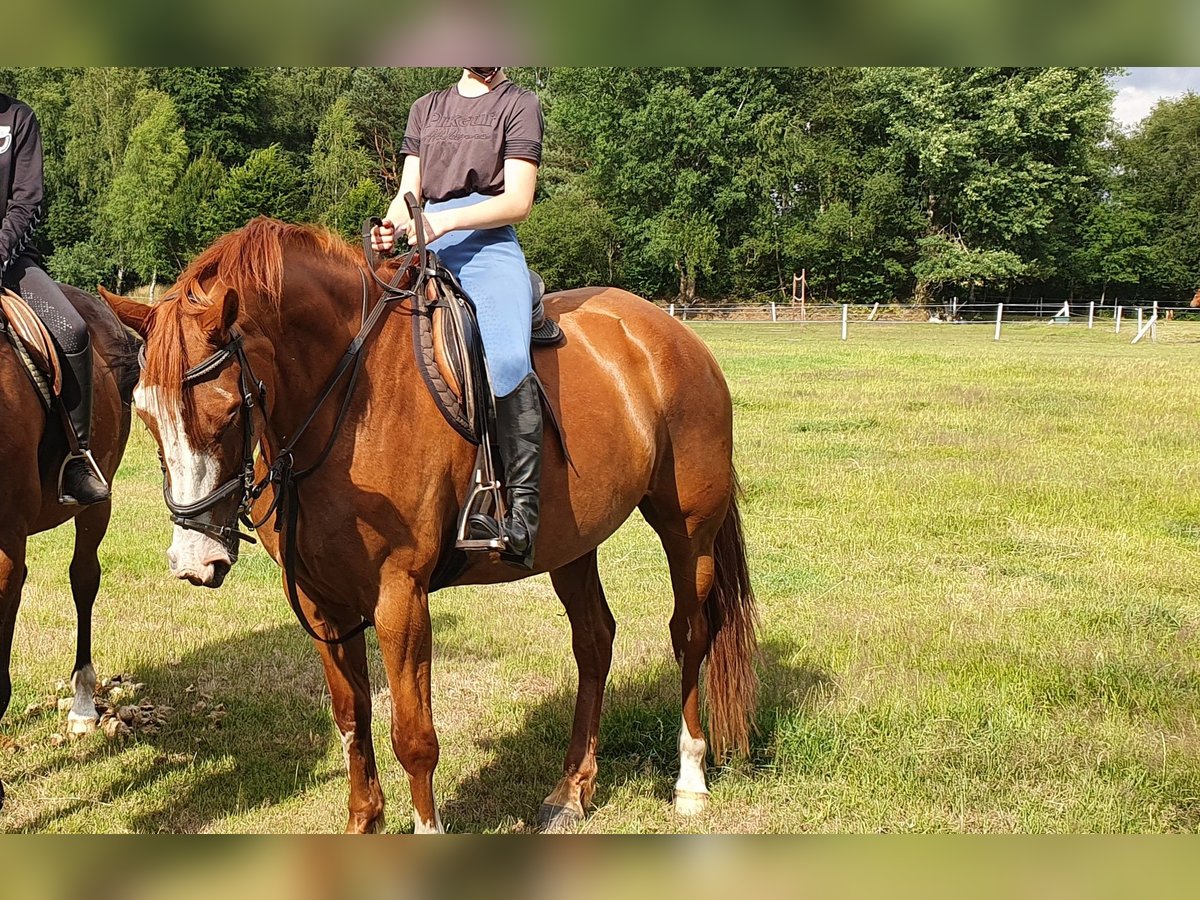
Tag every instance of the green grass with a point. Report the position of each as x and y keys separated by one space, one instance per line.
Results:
x=979 y=576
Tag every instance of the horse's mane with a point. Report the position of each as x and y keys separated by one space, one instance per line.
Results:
x=250 y=261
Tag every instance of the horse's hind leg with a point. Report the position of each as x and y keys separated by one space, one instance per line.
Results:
x=592 y=632
x=688 y=542
x=90 y=527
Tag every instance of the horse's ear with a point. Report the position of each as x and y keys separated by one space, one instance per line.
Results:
x=131 y=313
x=224 y=313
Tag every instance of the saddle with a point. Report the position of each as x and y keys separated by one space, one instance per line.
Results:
x=450 y=357
x=449 y=349
x=33 y=345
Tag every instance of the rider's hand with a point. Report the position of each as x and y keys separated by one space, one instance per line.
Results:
x=435 y=227
x=383 y=237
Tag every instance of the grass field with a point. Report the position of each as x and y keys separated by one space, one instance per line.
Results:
x=978 y=567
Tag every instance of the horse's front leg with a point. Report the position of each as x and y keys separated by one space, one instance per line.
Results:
x=350 y=688
x=406 y=642
x=90 y=527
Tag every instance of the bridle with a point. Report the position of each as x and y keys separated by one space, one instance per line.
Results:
x=198 y=515
x=282 y=474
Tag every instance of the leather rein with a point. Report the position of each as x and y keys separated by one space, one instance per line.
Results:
x=282 y=473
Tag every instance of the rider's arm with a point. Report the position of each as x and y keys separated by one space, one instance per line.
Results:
x=410 y=182
x=507 y=208
x=25 y=205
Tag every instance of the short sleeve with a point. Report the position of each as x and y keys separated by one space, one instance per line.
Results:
x=411 y=145
x=524 y=129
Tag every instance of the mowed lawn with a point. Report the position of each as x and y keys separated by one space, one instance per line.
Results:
x=978 y=568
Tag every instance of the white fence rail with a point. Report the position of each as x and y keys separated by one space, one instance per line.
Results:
x=1091 y=312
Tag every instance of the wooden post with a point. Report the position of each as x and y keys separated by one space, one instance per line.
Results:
x=773 y=311
x=671 y=310
x=1154 y=322
x=874 y=310
x=845 y=318
x=1117 y=316
x=1091 y=313
x=999 y=316
x=803 y=294
x=1139 y=328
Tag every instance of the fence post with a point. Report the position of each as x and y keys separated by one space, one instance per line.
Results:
x=772 y=310
x=1154 y=322
x=845 y=314
x=1139 y=328
x=999 y=316
x=1118 y=318
x=671 y=310
x=874 y=312
x=1091 y=313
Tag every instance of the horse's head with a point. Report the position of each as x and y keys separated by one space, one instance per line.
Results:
x=191 y=397
x=1196 y=300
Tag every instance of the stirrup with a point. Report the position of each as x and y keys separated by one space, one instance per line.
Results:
x=482 y=493
x=86 y=456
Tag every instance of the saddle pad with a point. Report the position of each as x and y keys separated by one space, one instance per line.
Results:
x=27 y=328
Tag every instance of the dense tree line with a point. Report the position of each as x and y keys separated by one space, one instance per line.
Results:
x=884 y=184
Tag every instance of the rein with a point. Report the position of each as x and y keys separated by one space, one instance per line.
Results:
x=282 y=473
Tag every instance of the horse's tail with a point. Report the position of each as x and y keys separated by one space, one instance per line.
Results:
x=732 y=682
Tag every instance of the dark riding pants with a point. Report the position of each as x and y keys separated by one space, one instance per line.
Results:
x=26 y=278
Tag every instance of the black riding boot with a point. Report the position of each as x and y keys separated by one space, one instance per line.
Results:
x=519 y=434
x=80 y=481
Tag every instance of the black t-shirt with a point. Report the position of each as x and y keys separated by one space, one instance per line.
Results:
x=20 y=179
x=462 y=142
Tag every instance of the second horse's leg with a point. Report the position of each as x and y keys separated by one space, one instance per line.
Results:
x=90 y=527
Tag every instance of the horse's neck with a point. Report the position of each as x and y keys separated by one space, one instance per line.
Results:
x=316 y=322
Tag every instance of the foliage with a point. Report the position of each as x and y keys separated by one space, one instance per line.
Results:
x=139 y=198
x=883 y=184
x=268 y=183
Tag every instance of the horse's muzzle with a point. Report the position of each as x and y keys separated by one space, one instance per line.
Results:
x=209 y=572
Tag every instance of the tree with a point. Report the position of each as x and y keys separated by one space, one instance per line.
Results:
x=191 y=208
x=1160 y=178
x=268 y=184
x=221 y=107
x=339 y=165
x=137 y=203
x=570 y=241
x=998 y=160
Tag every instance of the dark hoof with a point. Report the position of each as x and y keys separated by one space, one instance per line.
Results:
x=552 y=818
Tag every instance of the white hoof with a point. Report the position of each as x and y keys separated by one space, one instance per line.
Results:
x=81 y=724
x=690 y=803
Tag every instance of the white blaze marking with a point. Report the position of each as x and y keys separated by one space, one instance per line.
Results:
x=193 y=475
x=347 y=740
x=420 y=826
x=691 y=762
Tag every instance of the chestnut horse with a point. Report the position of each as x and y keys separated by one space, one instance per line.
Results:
x=648 y=420
x=30 y=453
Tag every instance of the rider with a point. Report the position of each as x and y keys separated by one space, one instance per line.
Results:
x=21 y=209
x=472 y=151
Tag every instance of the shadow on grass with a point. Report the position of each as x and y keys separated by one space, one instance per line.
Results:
x=639 y=730
x=268 y=746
